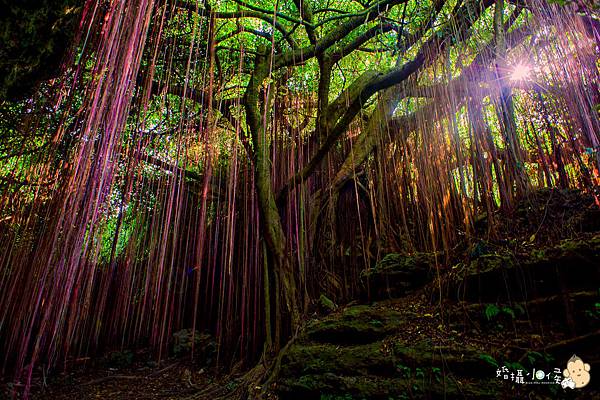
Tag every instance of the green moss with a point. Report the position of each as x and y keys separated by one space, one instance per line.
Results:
x=326 y=304
x=355 y=354
x=357 y=324
x=409 y=267
x=578 y=246
x=585 y=249
x=398 y=262
x=397 y=274
x=380 y=371
x=376 y=387
x=460 y=360
x=347 y=360
x=491 y=262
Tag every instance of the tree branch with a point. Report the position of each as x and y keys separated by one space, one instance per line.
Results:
x=306 y=15
x=264 y=16
x=334 y=36
x=459 y=25
x=363 y=38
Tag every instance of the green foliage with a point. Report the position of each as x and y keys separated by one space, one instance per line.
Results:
x=119 y=359
x=594 y=312
x=405 y=371
x=489 y=359
x=231 y=385
x=419 y=374
x=117 y=233
x=533 y=356
x=327 y=304
x=376 y=322
x=336 y=397
x=508 y=311
x=203 y=344
x=513 y=366
x=493 y=311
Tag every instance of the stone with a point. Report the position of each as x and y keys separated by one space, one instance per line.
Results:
x=396 y=275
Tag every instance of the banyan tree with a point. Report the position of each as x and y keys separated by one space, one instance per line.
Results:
x=221 y=166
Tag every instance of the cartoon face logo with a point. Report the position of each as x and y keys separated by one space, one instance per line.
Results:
x=577 y=372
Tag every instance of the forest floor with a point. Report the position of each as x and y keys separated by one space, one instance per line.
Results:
x=526 y=302
x=173 y=379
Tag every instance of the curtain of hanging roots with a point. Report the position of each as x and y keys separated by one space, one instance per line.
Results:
x=453 y=158
x=115 y=241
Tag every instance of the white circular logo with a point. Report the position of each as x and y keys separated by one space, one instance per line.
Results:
x=540 y=374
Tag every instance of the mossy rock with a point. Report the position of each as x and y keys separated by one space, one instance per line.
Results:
x=302 y=359
x=382 y=369
x=397 y=274
x=483 y=278
x=457 y=360
x=572 y=265
x=380 y=359
x=585 y=250
x=490 y=262
x=427 y=385
x=395 y=262
x=356 y=324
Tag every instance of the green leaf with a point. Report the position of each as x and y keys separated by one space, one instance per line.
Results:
x=489 y=359
x=491 y=310
x=509 y=311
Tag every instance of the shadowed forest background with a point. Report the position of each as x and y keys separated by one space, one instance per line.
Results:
x=327 y=199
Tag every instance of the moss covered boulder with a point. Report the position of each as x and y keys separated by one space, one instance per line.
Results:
x=570 y=265
x=357 y=354
x=354 y=325
x=397 y=274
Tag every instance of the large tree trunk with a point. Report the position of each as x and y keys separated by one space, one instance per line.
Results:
x=279 y=265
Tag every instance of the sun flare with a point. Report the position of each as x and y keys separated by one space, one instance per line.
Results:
x=520 y=72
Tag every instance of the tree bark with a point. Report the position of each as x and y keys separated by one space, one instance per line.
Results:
x=279 y=263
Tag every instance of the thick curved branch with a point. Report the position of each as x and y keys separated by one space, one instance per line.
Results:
x=336 y=108
x=242 y=29
x=183 y=5
x=372 y=85
x=381 y=81
x=300 y=56
x=363 y=38
x=307 y=15
x=376 y=8
x=199 y=96
x=271 y=13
